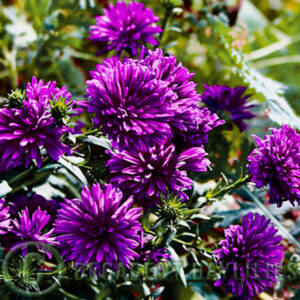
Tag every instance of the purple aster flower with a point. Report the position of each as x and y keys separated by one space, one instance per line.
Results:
x=147 y=100
x=145 y=172
x=33 y=227
x=129 y=103
x=57 y=100
x=123 y=27
x=276 y=162
x=23 y=132
x=149 y=252
x=5 y=219
x=197 y=133
x=231 y=100
x=44 y=92
x=32 y=202
x=251 y=255
x=97 y=229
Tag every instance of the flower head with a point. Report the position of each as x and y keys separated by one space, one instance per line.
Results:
x=231 y=100
x=98 y=228
x=147 y=100
x=123 y=27
x=33 y=226
x=45 y=92
x=276 y=162
x=145 y=172
x=23 y=132
x=5 y=219
x=251 y=255
x=129 y=103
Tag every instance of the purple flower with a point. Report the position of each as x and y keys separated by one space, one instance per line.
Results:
x=251 y=255
x=5 y=219
x=276 y=162
x=147 y=100
x=57 y=100
x=33 y=227
x=123 y=27
x=145 y=172
x=149 y=252
x=129 y=103
x=229 y=100
x=45 y=92
x=197 y=133
x=97 y=229
x=32 y=201
x=24 y=132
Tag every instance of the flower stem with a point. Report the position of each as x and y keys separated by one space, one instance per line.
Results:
x=168 y=13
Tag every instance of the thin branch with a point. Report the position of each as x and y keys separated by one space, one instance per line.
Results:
x=292 y=59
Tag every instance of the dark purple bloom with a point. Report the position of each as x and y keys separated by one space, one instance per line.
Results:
x=33 y=227
x=251 y=255
x=24 y=132
x=145 y=172
x=220 y=98
x=129 y=103
x=123 y=27
x=32 y=201
x=147 y=100
x=276 y=162
x=5 y=219
x=149 y=252
x=98 y=229
x=204 y=122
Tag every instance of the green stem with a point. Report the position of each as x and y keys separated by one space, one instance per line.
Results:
x=277 y=223
x=228 y=188
x=168 y=13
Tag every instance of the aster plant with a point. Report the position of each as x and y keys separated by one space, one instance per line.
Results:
x=145 y=172
x=98 y=229
x=276 y=162
x=125 y=27
x=129 y=186
x=251 y=255
x=224 y=100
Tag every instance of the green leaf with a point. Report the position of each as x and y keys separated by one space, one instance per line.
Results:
x=4 y=188
x=98 y=141
x=74 y=169
x=177 y=264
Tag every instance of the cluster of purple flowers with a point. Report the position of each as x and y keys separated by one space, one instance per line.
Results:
x=25 y=132
x=149 y=108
